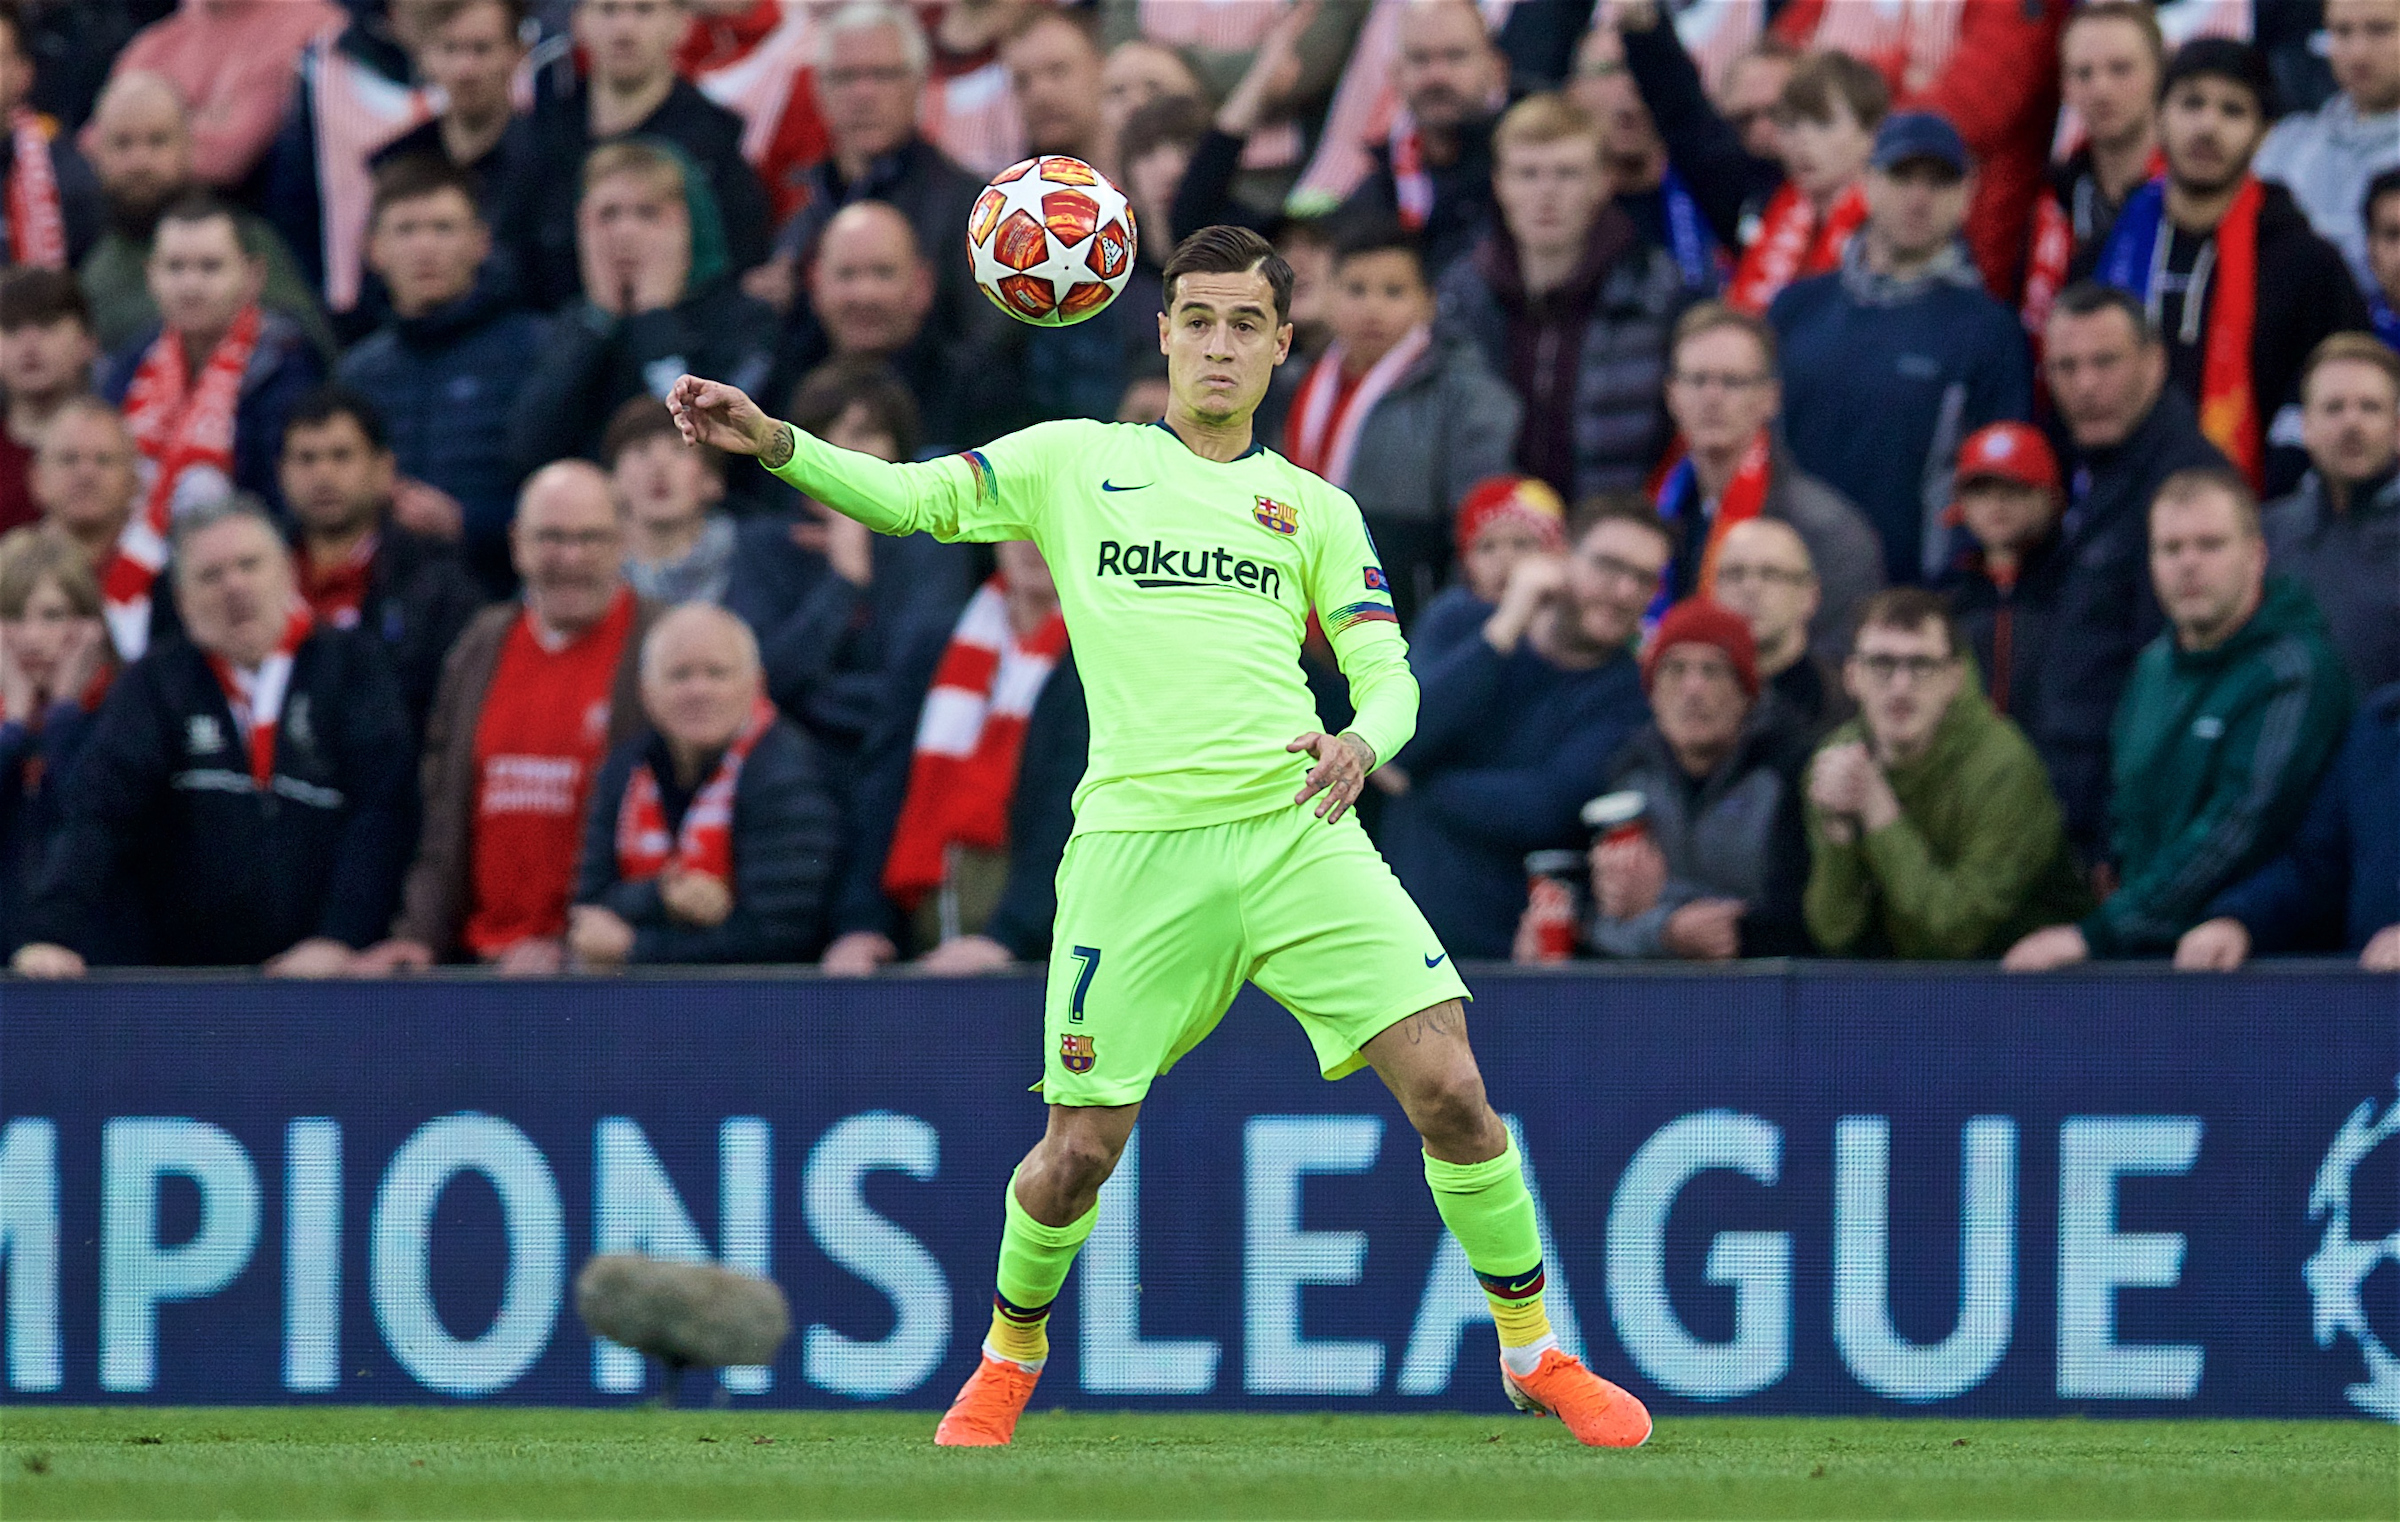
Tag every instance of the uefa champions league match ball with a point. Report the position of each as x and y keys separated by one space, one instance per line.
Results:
x=1051 y=241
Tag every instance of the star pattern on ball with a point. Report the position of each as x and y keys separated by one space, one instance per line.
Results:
x=1085 y=238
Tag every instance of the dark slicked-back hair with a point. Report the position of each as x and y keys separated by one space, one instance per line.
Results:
x=1231 y=251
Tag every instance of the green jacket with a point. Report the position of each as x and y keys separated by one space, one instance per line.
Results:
x=116 y=283
x=1977 y=857
x=2215 y=755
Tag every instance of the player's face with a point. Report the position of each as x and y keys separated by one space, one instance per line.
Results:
x=1222 y=343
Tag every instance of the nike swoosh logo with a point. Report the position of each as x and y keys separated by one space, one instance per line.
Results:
x=1437 y=961
x=1113 y=486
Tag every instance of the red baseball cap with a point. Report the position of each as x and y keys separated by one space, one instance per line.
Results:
x=2008 y=452
x=1697 y=621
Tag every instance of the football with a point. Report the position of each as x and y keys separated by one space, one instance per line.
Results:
x=1051 y=241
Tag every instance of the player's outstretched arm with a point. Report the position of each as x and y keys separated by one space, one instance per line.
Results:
x=938 y=497
x=724 y=418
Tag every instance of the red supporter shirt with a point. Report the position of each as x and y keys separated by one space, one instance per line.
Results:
x=542 y=735
x=16 y=484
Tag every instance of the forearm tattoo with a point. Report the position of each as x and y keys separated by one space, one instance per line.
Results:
x=778 y=450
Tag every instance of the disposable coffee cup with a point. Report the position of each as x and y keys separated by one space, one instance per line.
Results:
x=1618 y=817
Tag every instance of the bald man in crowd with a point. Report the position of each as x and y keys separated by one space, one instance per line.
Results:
x=140 y=142
x=712 y=837
x=1765 y=574
x=872 y=295
x=533 y=696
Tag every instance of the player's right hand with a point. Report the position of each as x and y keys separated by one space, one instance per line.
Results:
x=722 y=417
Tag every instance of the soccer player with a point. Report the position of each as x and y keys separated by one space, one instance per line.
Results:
x=1187 y=558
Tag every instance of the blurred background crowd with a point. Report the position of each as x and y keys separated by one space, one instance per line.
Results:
x=1866 y=478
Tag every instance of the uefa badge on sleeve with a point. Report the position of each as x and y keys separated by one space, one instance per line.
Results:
x=1075 y=1052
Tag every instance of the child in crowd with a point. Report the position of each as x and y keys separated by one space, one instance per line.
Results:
x=678 y=546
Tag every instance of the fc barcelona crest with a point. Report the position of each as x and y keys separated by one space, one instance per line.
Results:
x=1282 y=517
x=1076 y=1053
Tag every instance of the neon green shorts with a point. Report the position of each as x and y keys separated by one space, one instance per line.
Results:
x=1157 y=930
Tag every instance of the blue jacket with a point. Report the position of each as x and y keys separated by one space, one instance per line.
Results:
x=444 y=383
x=2341 y=873
x=1508 y=748
x=282 y=369
x=785 y=834
x=1883 y=380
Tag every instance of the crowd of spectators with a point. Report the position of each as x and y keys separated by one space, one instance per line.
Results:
x=1913 y=480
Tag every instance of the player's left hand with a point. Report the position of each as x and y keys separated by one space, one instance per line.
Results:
x=1343 y=762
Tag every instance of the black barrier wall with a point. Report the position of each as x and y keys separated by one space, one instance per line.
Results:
x=1797 y=1190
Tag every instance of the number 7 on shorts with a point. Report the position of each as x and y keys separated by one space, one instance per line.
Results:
x=1089 y=956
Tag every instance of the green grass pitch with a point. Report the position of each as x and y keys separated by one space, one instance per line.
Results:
x=502 y=1462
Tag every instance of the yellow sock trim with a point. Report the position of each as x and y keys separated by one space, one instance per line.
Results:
x=1522 y=1323
x=1019 y=1341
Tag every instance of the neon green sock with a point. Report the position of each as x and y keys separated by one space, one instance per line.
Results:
x=1034 y=1260
x=1488 y=1208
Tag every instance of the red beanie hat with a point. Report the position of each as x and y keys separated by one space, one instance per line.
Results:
x=1521 y=498
x=1697 y=621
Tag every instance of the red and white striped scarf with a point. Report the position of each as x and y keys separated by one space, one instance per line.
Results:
x=256 y=696
x=970 y=738
x=355 y=111
x=1793 y=242
x=755 y=82
x=183 y=430
x=1323 y=433
x=704 y=841
x=972 y=116
x=37 y=227
x=1908 y=41
x=1716 y=32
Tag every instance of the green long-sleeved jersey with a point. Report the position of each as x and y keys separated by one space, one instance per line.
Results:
x=1186 y=583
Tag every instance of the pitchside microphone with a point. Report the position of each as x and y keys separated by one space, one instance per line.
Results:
x=685 y=1315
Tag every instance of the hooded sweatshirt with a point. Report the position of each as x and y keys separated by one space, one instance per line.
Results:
x=1977 y=857
x=2216 y=752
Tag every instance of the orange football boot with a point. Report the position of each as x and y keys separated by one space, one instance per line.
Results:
x=985 y=1413
x=1599 y=1414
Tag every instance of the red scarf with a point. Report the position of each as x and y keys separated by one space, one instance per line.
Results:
x=1412 y=187
x=184 y=431
x=1743 y=498
x=338 y=593
x=256 y=697
x=1791 y=244
x=1327 y=414
x=37 y=229
x=704 y=843
x=969 y=739
x=2228 y=393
